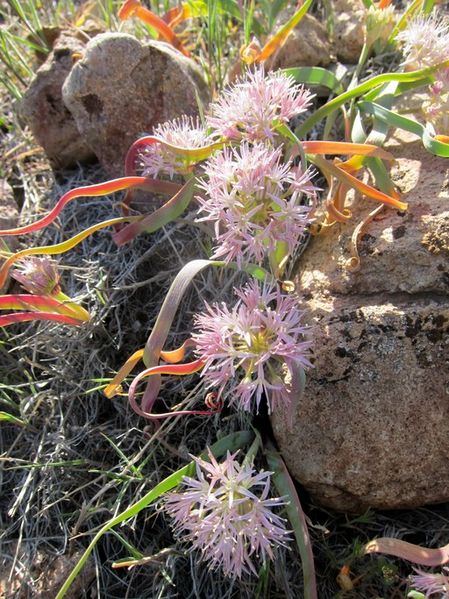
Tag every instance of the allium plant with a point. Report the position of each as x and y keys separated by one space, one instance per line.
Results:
x=256 y=105
x=38 y=276
x=254 y=348
x=226 y=514
x=253 y=198
x=45 y=301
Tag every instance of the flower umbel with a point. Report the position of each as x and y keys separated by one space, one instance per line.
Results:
x=38 y=275
x=436 y=109
x=260 y=341
x=185 y=132
x=426 y=41
x=253 y=107
x=254 y=201
x=431 y=584
x=226 y=513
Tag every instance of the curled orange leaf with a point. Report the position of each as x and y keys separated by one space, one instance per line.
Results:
x=132 y=8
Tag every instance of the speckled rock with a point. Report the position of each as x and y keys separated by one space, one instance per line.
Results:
x=372 y=427
x=42 y=107
x=307 y=45
x=122 y=89
x=349 y=29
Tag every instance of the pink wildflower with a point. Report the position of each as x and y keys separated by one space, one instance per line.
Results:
x=250 y=349
x=225 y=512
x=431 y=584
x=38 y=275
x=253 y=107
x=253 y=198
x=185 y=132
x=436 y=109
x=426 y=41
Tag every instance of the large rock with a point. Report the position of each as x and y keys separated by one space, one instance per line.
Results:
x=349 y=29
x=372 y=427
x=122 y=88
x=307 y=45
x=46 y=114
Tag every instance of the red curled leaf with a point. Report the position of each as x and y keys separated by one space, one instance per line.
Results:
x=173 y=369
x=37 y=303
x=7 y=319
x=134 y=8
x=59 y=248
x=99 y=189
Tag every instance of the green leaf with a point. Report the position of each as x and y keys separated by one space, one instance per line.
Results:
x=359 y=90
x=438 y=148
x=167 y=213
x=5 y=417
x=229 y=443
x=286 y=487
x=315 y=76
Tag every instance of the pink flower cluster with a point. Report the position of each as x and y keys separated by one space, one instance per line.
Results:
x=426 y=41
x=431 y=584
x=252 y=349
x=226 y=513
x=253 y=107
x=38 y=275
x=185 y=132
x=254 y=200
x=436 y=109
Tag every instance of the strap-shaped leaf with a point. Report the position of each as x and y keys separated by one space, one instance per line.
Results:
x=134 y=8
x=59 y=248
x=160 y=217
x=412 y=553
x=315 y=76
x=281 y=35
x=229 y=443
x=194 y=155
x=100 y=189
x=8 y=319
x=366 y=86
x=286 y=487
x=351 y=181
x=432 y=144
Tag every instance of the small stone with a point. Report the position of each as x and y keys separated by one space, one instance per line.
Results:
x=349 y=29
x=307 y=45
x=371 y=428
x=122 y=88
x=46 y=114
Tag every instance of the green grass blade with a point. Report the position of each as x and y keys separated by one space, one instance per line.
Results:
x=229 y=443
x=5 y=417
